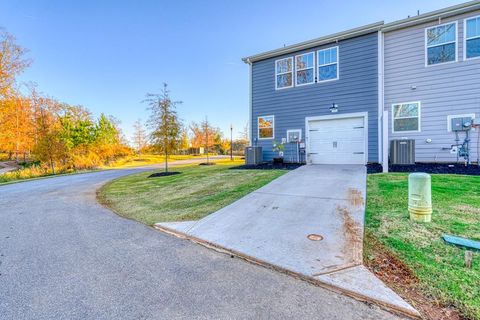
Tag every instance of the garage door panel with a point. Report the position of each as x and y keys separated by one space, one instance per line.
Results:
x=337 y=141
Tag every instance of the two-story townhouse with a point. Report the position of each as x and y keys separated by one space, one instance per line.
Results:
x=431 y=75
x=346 y=96
x=323 y=92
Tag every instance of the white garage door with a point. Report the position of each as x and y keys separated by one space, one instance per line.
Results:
x=337 y=141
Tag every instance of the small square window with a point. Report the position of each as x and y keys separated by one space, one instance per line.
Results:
x=294 y=135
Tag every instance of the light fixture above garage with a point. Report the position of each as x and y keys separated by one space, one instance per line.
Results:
x=334 y=108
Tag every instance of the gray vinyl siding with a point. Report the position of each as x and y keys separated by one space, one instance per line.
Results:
x=356 y=90
x=445 y=89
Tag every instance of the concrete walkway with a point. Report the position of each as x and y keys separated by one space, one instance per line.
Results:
x=310 y=222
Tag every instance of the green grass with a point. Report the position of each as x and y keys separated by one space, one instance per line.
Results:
x=191 y=195
x=439 y=267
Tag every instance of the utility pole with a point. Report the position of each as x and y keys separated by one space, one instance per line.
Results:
x=231 y=142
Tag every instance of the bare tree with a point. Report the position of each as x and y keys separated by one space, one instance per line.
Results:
x=139 y=136
x=164 y=122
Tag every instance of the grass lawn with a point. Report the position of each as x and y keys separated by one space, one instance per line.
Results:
x=439 y=267
x=191 y=195
x=146 y=159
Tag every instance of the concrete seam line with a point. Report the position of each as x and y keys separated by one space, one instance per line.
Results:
x=300 y=276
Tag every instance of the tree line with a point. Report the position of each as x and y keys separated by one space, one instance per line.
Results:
x=54 y=134
x=58 y=136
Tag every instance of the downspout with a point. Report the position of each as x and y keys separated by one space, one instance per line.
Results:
x=382 y=115
x=250 y=103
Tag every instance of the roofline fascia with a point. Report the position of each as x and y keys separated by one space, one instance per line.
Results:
x=432 y=16
x=373 y=27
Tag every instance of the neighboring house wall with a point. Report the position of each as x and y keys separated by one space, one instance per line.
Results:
x=356 y=90
x=443 y=89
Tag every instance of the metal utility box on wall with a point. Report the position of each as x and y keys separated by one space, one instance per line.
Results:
x=402 y=151
x=461 y=124
x=253 y=155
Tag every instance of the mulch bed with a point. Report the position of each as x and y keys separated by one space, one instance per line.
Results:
x=163 y=174
x=271 y=166
x=442 y=168
x=207 y=163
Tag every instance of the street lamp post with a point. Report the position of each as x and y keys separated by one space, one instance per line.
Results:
x=231 y=142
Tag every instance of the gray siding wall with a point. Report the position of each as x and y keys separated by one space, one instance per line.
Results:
x=444 y=89
x=356 y=90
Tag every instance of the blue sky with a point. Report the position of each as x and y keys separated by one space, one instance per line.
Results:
x=106 y=55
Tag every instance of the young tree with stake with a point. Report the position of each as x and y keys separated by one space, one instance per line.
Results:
x=164 y=122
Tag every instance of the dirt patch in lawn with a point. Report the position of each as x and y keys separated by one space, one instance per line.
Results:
x=393 y=272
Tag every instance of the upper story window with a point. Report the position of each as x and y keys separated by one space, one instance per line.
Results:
x=305 y=69
x=266 y=126
x=284 y=73
x=406 y=117
x=472 y=38
x=441 y=43
x=327 y=64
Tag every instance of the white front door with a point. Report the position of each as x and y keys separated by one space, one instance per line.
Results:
x=337 y=141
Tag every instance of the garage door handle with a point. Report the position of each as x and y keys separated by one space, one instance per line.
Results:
x=358 y=127
x=312 y=153
x=311 y=130
x=358 y=152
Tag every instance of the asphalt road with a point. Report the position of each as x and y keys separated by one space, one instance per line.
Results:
x=63 y=256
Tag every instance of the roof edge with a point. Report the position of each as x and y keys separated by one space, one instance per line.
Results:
x=369 y=28
x=432 y=16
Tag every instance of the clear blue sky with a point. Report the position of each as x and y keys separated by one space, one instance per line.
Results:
x=106 y=55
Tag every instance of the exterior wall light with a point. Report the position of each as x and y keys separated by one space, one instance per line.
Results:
x=334 y=108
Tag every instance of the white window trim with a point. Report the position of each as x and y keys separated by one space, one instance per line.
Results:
x=278 y=74
x=465 y=39
x=419 y=117
x=451 y=116
x=328 y=64
x=456 y=44
x=273 y=128
x=297 y=69
x=295 y=130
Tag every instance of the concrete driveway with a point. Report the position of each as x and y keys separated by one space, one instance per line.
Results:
x=310 y=222
x=63 y=256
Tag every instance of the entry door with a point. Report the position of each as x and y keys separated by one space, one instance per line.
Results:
x=337 y=141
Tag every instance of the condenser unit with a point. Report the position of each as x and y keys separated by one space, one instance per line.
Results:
x=253 y=155
x=402 y=151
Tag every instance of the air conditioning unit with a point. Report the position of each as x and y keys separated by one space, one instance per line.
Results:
x=253 y=155
x=402 y=151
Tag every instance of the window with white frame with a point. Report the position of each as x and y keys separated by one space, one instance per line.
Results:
x=472 y=38
x=266 y=126
x=406 y=117
x=305 y=69
x=294 y=135
x=327 y=64
x=284 y=73
x=441 y=43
